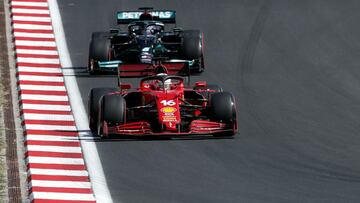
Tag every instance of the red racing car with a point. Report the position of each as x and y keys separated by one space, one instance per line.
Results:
x=162 y=106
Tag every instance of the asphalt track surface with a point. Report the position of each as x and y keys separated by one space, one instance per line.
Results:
x=294 y=68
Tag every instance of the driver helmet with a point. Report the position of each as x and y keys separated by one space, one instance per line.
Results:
x=167 y=84
x=150 y=30
x=136 y=28
x=154 y=29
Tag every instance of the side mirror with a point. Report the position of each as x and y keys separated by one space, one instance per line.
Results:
x=201 y=84
x=145 y=87
x=125 y=86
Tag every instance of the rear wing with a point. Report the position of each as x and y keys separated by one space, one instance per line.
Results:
x=180 y=68
x=164 y=16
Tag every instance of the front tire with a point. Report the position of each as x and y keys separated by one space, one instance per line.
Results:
x=192 y=48
x=112 y=112
x=99 y=50
x=223 y=109
x=93 y=105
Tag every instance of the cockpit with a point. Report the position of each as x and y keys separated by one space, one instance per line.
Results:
x=162 y=83
x=146 y=28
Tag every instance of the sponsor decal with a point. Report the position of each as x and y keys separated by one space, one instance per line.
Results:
x=136 y=14
x=162 y=14
x=168 y=102
x=168 y=109
x=169 y=118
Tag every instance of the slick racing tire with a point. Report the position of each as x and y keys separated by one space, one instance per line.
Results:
x=222 y=109
x=112 y=112
x=93 y=105
x=99 y=50
x=192 y=48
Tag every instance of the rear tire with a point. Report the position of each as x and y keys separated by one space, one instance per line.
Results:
x=192 y=48
x=99 y=50
x=222 y=109
x=93 y=105
x=113 y=111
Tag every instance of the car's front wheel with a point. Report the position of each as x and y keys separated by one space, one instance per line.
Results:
x=192 y=48
x=99 y=50
x=112 y=113
x=223 y=109
x=93 y=105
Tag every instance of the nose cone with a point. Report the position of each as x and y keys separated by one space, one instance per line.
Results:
x=171 y=126
x=170 y=117
x=169 y=113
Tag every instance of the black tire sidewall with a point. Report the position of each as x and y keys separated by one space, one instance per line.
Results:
x=93 y=104
x=222 y=107
x=192 y=44
x=99 y=49
x=113 y=109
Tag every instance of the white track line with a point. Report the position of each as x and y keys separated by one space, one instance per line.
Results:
x=34 y=43
x=41 y=78
x=91 y=155
x=53 y=149
x=55 y=160
x=42 y=87
x=62 y=184
x=49 y=127
x=24 y=3
x=44 y=97
x=46 y=107
x=51 y=138
x=34 y=35
x=29 y=11
x=39 y=70
x=30 y=18
x=37 y=60
x=50 y=117
x=58 y=172
x=63 y=196
x=31 y=51
x=32 y=26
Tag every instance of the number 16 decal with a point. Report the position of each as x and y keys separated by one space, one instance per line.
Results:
x=168 y=102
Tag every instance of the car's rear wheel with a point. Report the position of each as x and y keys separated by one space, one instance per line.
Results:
x=112 y=113
x=192 y=49
x=93 y=105
x=99 y=50
x=222 y=109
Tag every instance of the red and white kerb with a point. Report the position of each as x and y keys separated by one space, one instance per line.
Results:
x=55 y=164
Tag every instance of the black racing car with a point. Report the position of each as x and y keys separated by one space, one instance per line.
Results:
x=144 y=38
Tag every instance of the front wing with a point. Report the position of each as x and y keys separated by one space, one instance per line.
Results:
x=143 y=128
